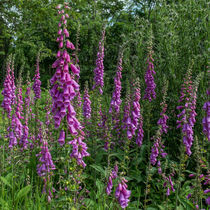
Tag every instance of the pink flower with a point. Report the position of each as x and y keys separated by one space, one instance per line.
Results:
x=69 y=45
x=74 y=69
x=122 y=194
x=61 y=139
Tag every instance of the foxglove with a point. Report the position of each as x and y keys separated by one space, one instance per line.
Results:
x=99 y=70
x=122 y=194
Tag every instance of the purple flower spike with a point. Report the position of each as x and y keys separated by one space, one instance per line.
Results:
x=158 y=147
x=206 y=191
x=206 y=119
x=116 y=101
x=37 y=83
x=79 y=150
x=61 y=139
x=109 y=186
x=155 y=152
x=13 y=140
x=140 y=134
x=99 y=70
x=122 y=194
x=163 y=120
x=208 y=201
x=136 y=117
x=45 y=165
x=74 y=69
x=187 y=115
x=64 y=89
x=24 y=139
x=7 y=91
x=113 y=175
x=86 y=104
x=13 y=85
x=70 y=45
x=149 y=79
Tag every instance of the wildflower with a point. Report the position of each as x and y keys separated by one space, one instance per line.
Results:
x=135 y=113
x=208 y=200
x=13 y=140
x=64 y=90
x=149 y=79
x=187 y=115
x=206 y=119
x=7 y=91
x=206 y=191
x=79 y=150
x=122 y=194
x=162 y=121
x=99 y=70
x=113 y=175
x=61 y=139
x=37 y=83
x=158 y=146
x=45 y=161
x=86 y=104
x=116 y=101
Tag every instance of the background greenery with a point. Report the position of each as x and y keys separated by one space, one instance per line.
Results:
x=180 y=37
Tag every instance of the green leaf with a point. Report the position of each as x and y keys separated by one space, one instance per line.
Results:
x=98 y=168
x=4 y=180
x=88 y=202
x=4 y=204
x=23 y=192
x=100 y=187
x=161 y=207
x=180 y=207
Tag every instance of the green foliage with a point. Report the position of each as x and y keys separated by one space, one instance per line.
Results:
x=22 y=193
x=179 y=36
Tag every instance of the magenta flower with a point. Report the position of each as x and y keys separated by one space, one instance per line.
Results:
x=140 y=134
x=62 y=80
x=79 y=150
x=45 y=165
x=37 y=83
x=113 y=175
x=13 y=140
x=64 y=89
x=61 y=139
x=131 y=117
x=109 y=186
x=24 y=138
x=163 y=120
x=206 y=119
x=206 y=191
x=116 y=101
x=149 y=79
x=86 y=104
x=99 y=70
x=74 y=69
x=126 y=117
x=208 y=200
x=16 y=131
x=158 y=147
x=136 y=113
x=19 y=102
x=187 y=115
x=69 y=44
x=122 y=194
x=7 y=91
x=16 y=128
x=27 y=97
x=155 y=152
x=169 y=184
x=13 y=85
